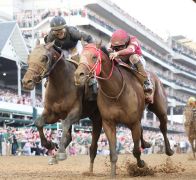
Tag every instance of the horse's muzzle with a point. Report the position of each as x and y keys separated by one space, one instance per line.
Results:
x=28 y=85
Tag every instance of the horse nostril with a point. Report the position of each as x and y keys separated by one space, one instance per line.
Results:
x=81 y=74
x=29 y=81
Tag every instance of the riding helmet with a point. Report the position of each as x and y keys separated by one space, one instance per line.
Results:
x=119 y=38
x=58 y=22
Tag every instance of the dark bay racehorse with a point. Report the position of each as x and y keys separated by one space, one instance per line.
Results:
x=121 y=99
x=63 y=100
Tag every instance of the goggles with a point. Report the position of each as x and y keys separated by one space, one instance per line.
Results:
x=118 y=48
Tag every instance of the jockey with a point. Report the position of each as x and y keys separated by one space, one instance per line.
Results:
x=127 y=48
x=66 y=37
x=69 y=38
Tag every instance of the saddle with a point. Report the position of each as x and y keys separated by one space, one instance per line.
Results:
x=138 y=75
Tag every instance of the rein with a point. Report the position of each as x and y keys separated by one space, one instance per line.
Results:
x=119 y=94
x=53 y=66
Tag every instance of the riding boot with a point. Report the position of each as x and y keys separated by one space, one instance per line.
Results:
x=147 y=84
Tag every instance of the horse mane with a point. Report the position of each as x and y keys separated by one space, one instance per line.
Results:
x=58 y=49
x=104 y=49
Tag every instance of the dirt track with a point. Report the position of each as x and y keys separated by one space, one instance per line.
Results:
x=21 y=167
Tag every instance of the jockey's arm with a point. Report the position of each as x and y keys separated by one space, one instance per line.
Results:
x=131 y=48
x=76 y=34
x=128 y=51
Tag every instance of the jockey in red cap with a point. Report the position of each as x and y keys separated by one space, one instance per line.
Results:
x=128 y=49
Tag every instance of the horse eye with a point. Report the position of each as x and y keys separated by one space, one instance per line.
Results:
x=94 y=58
x=44 y=59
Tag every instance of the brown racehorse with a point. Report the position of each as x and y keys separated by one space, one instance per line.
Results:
x=63 y=100
x=120 y=99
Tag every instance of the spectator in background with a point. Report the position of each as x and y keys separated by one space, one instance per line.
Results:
x=14 y=145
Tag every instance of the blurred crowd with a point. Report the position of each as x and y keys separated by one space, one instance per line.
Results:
x=11 y=96
x=26 y=141
x=29 y=18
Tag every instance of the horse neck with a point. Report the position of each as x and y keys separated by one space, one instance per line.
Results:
x=114 y=84
x=62 y=75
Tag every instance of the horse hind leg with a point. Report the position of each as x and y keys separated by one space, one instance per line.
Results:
x=144 y=144
x=96 y=131
x=163 y=126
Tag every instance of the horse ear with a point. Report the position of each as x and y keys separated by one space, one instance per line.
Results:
x=49 y=45
x=98 y=43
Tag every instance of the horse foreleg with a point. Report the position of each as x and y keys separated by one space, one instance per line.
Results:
x=39 y=123
x=110 y=131
x=65 y=139
x=71 y=118
x=96 y=131
x=64 y=142
x=136 y=135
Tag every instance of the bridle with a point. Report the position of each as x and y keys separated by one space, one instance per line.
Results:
x=93 y=71
x=40 y=71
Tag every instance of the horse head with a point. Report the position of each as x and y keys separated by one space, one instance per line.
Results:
x=91 y=61
x=40 y=62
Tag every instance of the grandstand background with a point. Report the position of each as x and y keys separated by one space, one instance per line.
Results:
x=23 y=22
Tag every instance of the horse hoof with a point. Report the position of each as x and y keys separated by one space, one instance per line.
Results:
x=61 y=156
x=52 y=161
x=169 y=152
x=141 y=164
